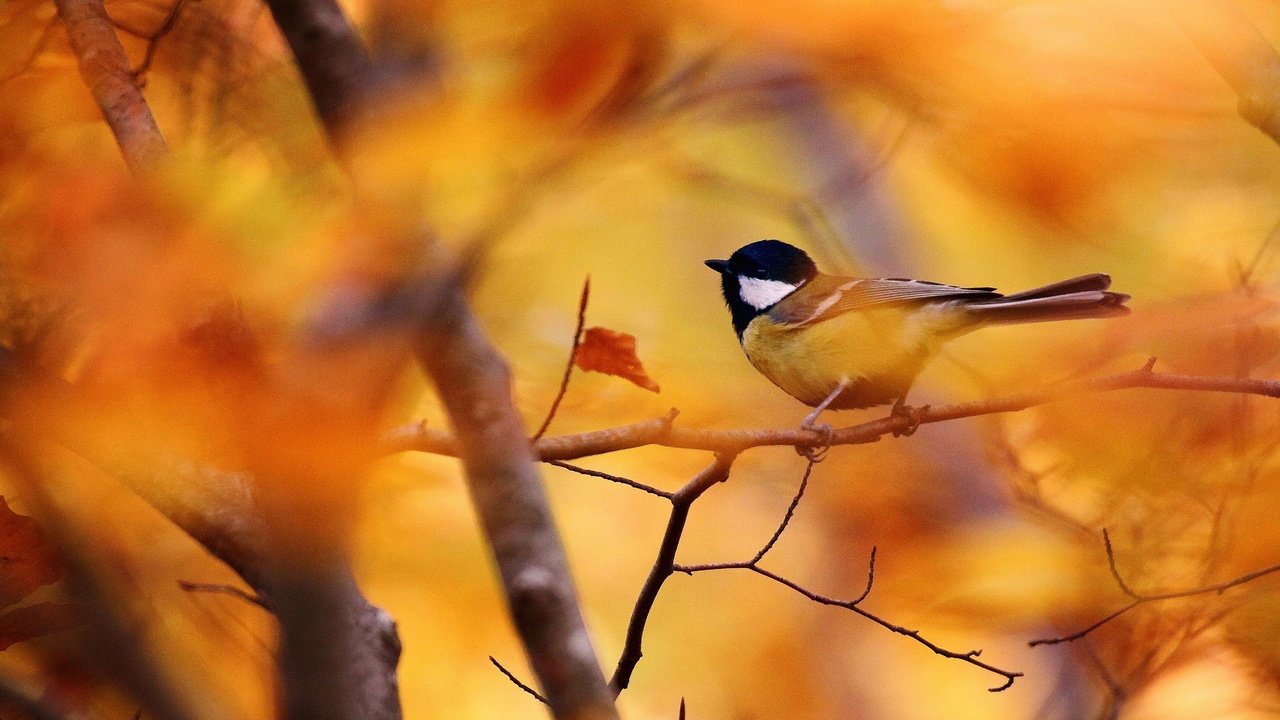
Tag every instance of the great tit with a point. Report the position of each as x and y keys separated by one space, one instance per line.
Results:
x=842 y=342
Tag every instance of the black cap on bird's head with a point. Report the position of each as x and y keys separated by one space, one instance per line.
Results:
x=759 y=275
x=768 y=260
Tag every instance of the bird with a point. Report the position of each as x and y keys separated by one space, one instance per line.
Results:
x=839 y=343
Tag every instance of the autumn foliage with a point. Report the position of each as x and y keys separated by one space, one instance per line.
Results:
x=229 y=424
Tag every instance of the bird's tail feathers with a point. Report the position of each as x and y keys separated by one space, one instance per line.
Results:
x=1061 y=301
x=1084 y=283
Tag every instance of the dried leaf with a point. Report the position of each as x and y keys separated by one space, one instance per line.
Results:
x=26 y=561
x=37 y=620
x=612 y=353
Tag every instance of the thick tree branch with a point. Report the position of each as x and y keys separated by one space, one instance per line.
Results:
x=106 y=72
x=474 y=383
x=662 y=431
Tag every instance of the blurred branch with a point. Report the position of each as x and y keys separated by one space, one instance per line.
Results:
x=334 y=63
x=664 y=565
x=153 y=38
x=42 y=41
x=1144 y=598
x=662 y=431
x=27 y=700
x=573 y=355
x=220 y=510
x=106 y=72
x=1240 y=54
x=222 y=589
x=114 y=636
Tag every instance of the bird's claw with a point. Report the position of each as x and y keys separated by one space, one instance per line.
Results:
x=817 y=453
x=913 y=416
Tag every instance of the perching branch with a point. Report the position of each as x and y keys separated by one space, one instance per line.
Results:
x=106 y=72
x=1138 y=598
x=663 y=432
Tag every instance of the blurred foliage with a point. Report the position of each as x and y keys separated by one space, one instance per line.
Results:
x=1005 y=143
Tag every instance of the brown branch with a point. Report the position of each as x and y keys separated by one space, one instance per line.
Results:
x=573 y=356
x=474 y=383
x=332 y=59
x=611 y=478
x=662 y=432
x=1139 y=598
x=1240 y=54
x=223 y=589
x=517 y=682
x=970 y=657
x=153 y=38
x=664 y=565
x=105 y=70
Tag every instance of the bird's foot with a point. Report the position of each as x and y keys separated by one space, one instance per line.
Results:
x=912 y=414
x=817 y=453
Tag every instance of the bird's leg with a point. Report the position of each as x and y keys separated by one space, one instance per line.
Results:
x=902 y=409
x=816 y=454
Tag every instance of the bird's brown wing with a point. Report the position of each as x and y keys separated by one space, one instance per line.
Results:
x=828 y=296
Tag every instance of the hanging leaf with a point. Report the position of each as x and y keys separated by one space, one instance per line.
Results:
x=39 y=619
x=26 y=561
x=612 y=353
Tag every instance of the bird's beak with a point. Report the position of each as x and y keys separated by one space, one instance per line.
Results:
x=720 y=266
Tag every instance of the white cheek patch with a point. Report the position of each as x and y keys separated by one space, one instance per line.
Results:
x=761 y=294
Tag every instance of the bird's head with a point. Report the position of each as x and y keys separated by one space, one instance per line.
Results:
x=758 y=276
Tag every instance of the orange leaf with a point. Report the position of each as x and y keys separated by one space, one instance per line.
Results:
x=612 y=353
x=33 y=621
x=26 y=561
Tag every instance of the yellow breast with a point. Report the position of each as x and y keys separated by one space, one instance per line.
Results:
x=877 y=353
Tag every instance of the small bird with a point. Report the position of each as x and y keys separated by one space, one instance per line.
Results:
x=842 y=342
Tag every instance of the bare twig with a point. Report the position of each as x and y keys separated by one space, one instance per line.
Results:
x=153 y=38
x=105 y=71
x=611 y=478
x=516 y=681
x=661 y=431
x=970 y=657
x=573 y=356
x=664 y=565
x=1144 y=598
x=223 y=589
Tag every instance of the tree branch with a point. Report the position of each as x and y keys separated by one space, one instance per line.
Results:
x=662 y=431
x=970 y=657
x=664 y=565
x=105 y=70
x=1144 y=598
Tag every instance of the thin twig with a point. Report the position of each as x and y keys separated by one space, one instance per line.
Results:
x=611 y=478
x=852 y=605
x=664 y=565
x=516 y=681
x=221 y=589
x=573 y=355
x=1144 y=598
